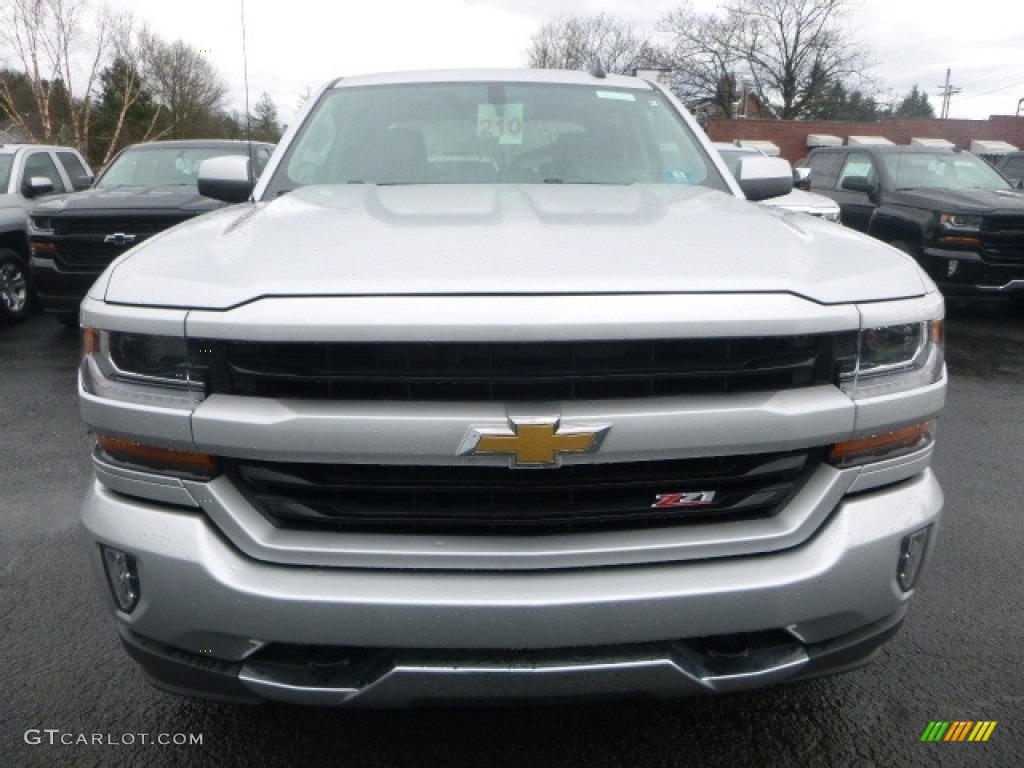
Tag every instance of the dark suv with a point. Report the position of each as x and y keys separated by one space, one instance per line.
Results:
x=144 y=190
x=962 y=221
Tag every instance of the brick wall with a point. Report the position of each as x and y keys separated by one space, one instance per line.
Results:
x=791 y=135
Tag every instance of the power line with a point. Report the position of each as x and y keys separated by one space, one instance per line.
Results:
x=992 y=74
x=995 y=90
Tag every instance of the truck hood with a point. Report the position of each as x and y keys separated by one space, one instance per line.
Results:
x=958 y=200
x=175 y=198
x=13 y=200
x=504 y=239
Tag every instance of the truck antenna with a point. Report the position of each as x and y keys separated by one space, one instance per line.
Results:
x=248 y=117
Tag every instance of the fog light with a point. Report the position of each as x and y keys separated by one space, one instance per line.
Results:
x=123 y=578
x=911 y=556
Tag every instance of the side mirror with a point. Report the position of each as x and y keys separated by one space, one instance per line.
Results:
x=36 y=186
x=761 y=178
x=802 y=178
x=78 y=183
x=860 y=184
x=225 y=178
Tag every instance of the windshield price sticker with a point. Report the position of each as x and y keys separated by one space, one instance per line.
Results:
x=503 y=122
x=617 y=95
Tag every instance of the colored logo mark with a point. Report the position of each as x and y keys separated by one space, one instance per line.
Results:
x=958 y=730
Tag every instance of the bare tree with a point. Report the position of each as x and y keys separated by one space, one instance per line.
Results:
x=184 y=83
x=582 y=42
x=59 y=45
x=792 y=50
x=795 y=48
x=705 y=56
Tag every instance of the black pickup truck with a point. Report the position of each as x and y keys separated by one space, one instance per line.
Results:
x=961 y=220
x=146 y=189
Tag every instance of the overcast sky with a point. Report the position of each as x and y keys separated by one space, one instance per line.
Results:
x=298 y=44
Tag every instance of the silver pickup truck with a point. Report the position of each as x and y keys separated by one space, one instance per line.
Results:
x=29 y=173
x=495 y=387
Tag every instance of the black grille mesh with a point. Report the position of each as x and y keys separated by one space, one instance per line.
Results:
x=472 y=500
x=107 y=225
x=94 y=256
x=1002 y=239
x=474 y=372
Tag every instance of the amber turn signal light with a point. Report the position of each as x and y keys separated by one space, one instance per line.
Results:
x=157 y=458
x=887 y=445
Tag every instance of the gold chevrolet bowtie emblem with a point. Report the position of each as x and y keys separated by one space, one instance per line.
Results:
x=535 y=443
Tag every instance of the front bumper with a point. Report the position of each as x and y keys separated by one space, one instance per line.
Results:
x=965 y=273
x=213 y=621
x=400 y=677
x=60 y=291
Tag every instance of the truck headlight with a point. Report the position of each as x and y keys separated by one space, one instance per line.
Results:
x=894 y=359
x=141 y=368
x=960 y=229
x=961 y=221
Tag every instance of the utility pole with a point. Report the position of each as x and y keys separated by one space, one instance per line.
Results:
x=947 y=91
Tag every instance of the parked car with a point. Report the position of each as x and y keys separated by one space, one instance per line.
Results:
x=496 y=387
x=1011 y=165
x=29 y=173
x=948 y=209
x=144 y=190
x=798 y=200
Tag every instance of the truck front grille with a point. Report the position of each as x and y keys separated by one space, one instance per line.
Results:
x=78 y=254
x=472 y=500
x=503 y=372
x=1002 y=239
x=112 y=224
x=81 y=240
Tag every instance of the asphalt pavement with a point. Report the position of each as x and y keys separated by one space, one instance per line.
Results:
x=69 y=696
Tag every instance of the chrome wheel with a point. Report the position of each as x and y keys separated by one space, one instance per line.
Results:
x=13 y=288
x=16 y=295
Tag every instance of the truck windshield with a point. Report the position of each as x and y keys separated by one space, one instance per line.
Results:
x=946 y=170
x=158 y=166
x=486 y=132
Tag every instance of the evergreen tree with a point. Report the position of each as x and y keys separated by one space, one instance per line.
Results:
x=838 y=103
x=915 y=105
x=264 y=121
x=125 y=112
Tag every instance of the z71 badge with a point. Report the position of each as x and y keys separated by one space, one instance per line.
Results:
x=687 y=499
